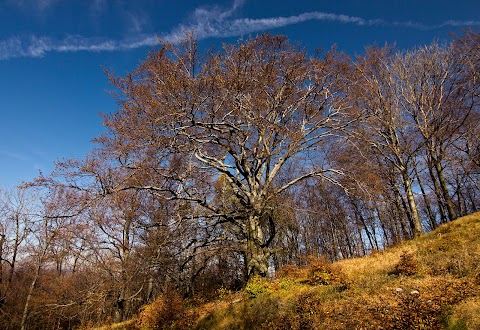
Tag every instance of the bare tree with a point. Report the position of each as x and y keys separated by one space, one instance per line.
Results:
x=245 y=113
x=426 y=80
x=17 y=208
x=374 y=92
x=47 y=230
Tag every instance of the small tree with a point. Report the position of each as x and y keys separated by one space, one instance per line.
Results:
x=48 y=230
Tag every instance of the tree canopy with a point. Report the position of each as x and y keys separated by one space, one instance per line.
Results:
x=259 y=115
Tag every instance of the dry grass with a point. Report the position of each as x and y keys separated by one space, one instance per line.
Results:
x=117 y=326
x=428 y=283
x=466 y=314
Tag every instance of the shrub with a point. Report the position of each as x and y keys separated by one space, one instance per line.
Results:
x=166 y=312
x=257 y=286
x=223 y=293
x=290 y=271
x=286 y=283
x=322 y=272
x=406 y=266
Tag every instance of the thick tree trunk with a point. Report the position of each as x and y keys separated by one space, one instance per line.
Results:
x=256 y=253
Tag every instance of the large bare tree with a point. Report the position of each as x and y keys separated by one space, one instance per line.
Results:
x=244 y=115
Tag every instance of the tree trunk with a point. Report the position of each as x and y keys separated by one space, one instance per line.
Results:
x=431 y=216
x=29 y=295
x=398 y=201
x=441 y=205
x=257 y=254
x=416 y=224
x=446 y=196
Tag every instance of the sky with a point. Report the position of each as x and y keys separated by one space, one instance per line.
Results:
x=53 y=54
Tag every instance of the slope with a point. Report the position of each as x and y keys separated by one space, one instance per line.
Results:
x=431 y=282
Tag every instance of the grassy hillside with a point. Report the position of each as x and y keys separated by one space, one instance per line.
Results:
x=428 y=283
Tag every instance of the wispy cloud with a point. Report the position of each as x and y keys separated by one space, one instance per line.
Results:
x=210 y=24
x=38 y=47
x=213 y=22
x=137 y=22
x=37 y=6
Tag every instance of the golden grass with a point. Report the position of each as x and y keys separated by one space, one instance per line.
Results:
x=431 y=282
x=468 y=313
x=117 y=326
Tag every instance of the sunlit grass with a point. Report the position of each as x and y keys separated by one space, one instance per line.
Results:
x=431 y=282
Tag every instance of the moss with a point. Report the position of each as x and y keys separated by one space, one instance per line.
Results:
x=257 y=286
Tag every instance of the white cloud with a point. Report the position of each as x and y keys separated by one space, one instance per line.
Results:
x=205 y=22
x=39 y=47
x=136 y=22
x=215 y=22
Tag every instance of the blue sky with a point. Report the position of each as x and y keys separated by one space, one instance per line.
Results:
x=52 y=52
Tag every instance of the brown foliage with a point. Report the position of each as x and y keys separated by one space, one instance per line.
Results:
x=406 y=266
x=323 y=272
x=166 y=312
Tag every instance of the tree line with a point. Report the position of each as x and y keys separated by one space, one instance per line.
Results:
x=228 y=164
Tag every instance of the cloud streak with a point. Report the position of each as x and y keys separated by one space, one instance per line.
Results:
x=38 y=47
x=207 y=23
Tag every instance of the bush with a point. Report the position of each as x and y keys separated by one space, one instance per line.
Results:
x=406 y=266
x=290 y=271
x=322 y=272
x=223 y=293
x=166 y=312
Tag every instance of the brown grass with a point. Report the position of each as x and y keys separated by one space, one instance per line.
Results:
x=428 y=283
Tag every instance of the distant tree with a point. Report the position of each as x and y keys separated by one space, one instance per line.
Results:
x=48 y=231
x=435 y=103
x=467 y=49
x=17 y=215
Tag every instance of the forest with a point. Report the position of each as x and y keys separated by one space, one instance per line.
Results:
x=226 y=165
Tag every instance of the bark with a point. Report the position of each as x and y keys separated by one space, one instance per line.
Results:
x=257 y=254
x=415 y=218
x=398 y=201
x=441 y=204
x=444 y=189
x=122 y=301
x=365 y=227
x=149 y=296
x=431 y=216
